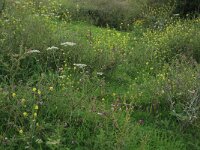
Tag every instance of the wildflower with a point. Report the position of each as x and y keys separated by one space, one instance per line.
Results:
x=21 y=131
x=35 y=114
x=25 y=114
x=114 y=94
x=39 y=92
x=80 y=65
x=36 y=107
x=99 y=113
x=33 y=51
x=51 y=88
x=34 y=89
x=13 y=95
x=52 y=48
x=68 y=44
x=176 y=15
x=100 y=73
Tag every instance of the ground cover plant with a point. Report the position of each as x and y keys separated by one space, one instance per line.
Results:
x=78 y=75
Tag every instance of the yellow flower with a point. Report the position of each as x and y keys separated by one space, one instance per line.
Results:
x=114 y=94
x=34 y=89
x=36 y=107
x=21 y=131
x=51 y=88
x=25 y=114
x=13 y=95
x=35 y=114
x=39 y=92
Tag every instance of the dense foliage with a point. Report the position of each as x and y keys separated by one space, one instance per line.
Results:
x=99 y=74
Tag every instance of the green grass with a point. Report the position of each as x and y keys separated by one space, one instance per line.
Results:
x=104 y=89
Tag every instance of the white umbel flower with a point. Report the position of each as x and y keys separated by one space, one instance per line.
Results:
x=33 y=51
x=68 y=44
x=80 y=65
x=52 y=48
x=100 y=73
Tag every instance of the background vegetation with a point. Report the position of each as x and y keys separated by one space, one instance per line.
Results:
x=99 y=74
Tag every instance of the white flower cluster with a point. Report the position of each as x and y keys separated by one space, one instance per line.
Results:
x=33 y=51
x=55 y=48
x=80 y=65
x=68 y=44
x=100 y=73
x=52 y=48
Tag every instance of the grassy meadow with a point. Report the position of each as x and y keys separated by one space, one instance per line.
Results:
x=99 y=74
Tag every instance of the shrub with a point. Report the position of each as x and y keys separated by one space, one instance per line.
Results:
x=114 y=13
x=182 y=89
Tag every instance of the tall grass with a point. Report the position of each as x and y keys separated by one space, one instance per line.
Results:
x=72 y=85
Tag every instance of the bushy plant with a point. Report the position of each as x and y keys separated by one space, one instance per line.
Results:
x=116 y=13
x=182 y=89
